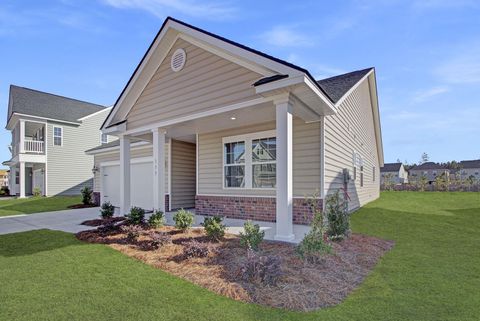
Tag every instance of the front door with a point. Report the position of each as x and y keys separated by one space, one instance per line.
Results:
x=38 y=181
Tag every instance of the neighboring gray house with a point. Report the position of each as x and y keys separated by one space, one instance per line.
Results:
x=49 y=136
x=430 y=170
x=469 y=168
x=393 y=173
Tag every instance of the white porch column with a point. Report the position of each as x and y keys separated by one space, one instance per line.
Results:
x=21 y=148
x=124 y=175
x=284 y=120
x=159 y=169
x=21 y=181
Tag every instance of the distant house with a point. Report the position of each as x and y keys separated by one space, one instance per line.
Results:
x=393 y=173
x=469 y=168
x=4 y=177
x=430 y=170
x=49 y=136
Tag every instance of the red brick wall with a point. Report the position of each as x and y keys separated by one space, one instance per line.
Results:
x=251 y=208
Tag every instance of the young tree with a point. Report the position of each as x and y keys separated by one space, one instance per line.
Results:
x=425 y=158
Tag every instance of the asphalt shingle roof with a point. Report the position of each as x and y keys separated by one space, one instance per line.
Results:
x=36 y=103
x=114 y=143
x=336 y=87
x=428 y=165
x=470 y=163
x=391 y=167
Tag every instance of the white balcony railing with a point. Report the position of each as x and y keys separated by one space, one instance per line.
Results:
x=34 y=146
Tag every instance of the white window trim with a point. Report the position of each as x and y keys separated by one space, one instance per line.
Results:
x=247 y=139
x=61 y=136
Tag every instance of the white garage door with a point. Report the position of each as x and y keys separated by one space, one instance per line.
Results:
x=141 y=190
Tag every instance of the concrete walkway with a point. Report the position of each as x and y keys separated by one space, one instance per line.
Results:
x=70 y=221
x=67 y=221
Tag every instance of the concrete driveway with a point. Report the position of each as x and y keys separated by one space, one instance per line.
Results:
x=67 y=221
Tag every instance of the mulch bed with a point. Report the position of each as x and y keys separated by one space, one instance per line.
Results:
x=76 y=206
x=102 y=221
x=303 y=286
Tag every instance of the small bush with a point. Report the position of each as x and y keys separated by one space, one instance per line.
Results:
x=252 y=236
x=4 y=190
x=132 y=231
x=214 y=228
x=183 y=219
x=338 y=217
x=86 y=195
x=37 y=192
x=263 y=269
x=136 y=216
x=107 y=210
x=157 y=219
x=194 y=248
x=159 y=239
x=314 y=245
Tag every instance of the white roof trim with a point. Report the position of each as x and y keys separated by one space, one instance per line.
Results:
x=96 y=113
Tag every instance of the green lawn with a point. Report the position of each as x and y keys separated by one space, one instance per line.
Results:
x=432 y=273
x=37 y=204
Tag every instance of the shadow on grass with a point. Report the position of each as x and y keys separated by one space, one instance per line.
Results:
x=33 y=242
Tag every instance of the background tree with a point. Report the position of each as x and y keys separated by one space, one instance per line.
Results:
x=425 y=158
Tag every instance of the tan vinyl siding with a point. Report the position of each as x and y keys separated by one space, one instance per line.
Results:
x=68 y=167
x=206 y=82
x=136 y=152
x=306 y=160
x=183 y=174
x=352 y=130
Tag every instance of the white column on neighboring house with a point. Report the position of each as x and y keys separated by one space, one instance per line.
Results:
x=159 y=169
x=22 y=137
x=124 y=174
x=21 y=181
x=284 y=217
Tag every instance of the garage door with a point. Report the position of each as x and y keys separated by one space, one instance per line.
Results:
x=141 y=190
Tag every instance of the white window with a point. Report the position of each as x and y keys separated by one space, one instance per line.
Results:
x=250 y=161
x=357 y=163
x=103 y=138
x=57 y=136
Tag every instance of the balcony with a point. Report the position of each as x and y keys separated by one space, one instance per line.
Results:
x=34 y=146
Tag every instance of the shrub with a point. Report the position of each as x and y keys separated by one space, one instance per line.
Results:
x=264 y=269
x=159 y=239
x=183 y=219
x=337 y=216
x=136 y=216
x=314 y=244
x=132 y=231
x=157 y=219
x=37 y=192
x=214 y=228
x=194 y=248
x=86 y=195
x=107 y=210
x=252 y=236
x=4 y=190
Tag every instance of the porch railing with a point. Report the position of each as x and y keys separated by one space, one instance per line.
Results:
x=34 y=146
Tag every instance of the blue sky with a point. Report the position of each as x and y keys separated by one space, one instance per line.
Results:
x=426 y=52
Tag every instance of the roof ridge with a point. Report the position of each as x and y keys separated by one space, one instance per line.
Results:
x=56 y=95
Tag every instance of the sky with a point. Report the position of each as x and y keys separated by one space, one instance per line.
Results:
x=426 y=54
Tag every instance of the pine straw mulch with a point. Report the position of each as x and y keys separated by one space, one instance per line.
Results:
x=303 y=286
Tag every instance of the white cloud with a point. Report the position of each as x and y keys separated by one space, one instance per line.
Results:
x=443 y=4
x=461 y=69
x=425 y=95
x=283 y=36
x=161 y=8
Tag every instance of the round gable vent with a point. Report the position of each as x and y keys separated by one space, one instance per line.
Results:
x=179 y=58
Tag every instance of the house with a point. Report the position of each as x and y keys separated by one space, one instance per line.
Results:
x=4 y=177
x=393 y=173
x=50 y=134
x=429 y=170
x=468 y=169
x=211 y=124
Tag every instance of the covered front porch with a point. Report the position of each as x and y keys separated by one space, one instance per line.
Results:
x=260 y=188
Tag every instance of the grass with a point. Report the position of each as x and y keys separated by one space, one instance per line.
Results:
x=37 y=204
x=432 y=273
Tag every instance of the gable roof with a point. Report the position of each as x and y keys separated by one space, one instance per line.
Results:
x=470 y=163
x=391 y=167
x=336 y=87
x=41 y=104
x=428 y=165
